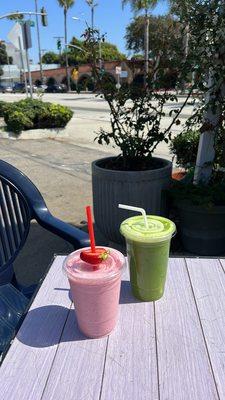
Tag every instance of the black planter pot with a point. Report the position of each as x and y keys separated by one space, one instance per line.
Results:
x=138 y=188
x=202 y=230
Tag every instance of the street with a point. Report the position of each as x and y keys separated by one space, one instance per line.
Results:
x=91 y=113
x=61 y=169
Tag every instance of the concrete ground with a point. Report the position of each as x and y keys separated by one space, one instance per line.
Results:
x=61 y=169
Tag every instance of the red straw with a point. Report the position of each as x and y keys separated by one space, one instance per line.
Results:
x=90 y=228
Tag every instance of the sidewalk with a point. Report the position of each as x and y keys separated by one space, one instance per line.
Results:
x=62 y=173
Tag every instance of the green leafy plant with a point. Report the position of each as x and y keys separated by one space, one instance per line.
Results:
x=3 y=106
x=185 y=147
x=54 y=116
x=206 y=196
x=136 y=114
x=18 y=121
x=27 y=114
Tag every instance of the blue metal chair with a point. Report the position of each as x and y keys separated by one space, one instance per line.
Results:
x=21 y=202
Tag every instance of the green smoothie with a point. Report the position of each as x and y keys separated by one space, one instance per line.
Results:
x=148 y=254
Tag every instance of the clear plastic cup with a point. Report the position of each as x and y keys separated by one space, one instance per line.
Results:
x=95 y=291
x=148 y=254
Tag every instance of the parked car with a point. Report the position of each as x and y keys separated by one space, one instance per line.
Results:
x=56 y=88
x=6 y=89
x=2 y=89
x=43 y=87
x=35 y=88
x=20 y=88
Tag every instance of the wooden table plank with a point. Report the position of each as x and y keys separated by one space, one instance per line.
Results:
x=25 y=370
x=184 y=367
x=130 y=370
x=222 y=261
x=208 y=282
x=37 y=367
x=78 y=366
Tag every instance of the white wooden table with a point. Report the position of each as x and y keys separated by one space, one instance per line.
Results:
x=173 y=349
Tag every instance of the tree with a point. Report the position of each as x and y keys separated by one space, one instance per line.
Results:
x=51 y=58
x=111 y=52
x=4 y=59
x=165 y=39
x=66 y=5
x=1 y=71
x=206 y=57
x=78 y=55
x=137 y=57
x=138 y=6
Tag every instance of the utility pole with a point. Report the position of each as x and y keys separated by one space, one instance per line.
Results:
x=101 y=39
x=27 y=44
x=39 y=41
x=66 y=50
x=22 y=64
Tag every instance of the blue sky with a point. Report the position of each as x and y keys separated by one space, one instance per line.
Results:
x=109 y=18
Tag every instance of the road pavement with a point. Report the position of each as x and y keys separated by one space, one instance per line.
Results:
x=61 y=169
x=92 y=113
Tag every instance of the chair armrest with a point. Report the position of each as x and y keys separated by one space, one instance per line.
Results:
x=66 y=231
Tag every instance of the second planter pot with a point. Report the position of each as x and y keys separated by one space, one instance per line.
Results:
x=202 y=230
x=137 y=188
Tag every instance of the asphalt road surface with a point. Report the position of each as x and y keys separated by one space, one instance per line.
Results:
x=61 y=169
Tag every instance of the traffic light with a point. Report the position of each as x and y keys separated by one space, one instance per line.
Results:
x=59 y=44
x=44 y=19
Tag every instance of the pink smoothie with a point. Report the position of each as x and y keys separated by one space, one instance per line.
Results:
x=95 y=291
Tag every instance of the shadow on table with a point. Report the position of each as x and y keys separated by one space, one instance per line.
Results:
x=126 y=295
x=45 y=327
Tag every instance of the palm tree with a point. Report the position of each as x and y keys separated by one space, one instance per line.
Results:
x=66 y=4
x=138 y=6
x=92 y=5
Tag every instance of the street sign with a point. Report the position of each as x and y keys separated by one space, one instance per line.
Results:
x=14 y=35
x=118 y=70
x=123 y=74
x=31 y=23
x=118 y=86
x=26 y=31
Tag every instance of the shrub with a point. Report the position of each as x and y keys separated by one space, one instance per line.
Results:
x=18 y=121
x=27 y=114
x=185 y=147
x=205 y=196
x=3 y=105
x=54 y=116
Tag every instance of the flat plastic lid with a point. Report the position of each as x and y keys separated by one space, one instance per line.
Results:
x=159 y=229
x=77 y=269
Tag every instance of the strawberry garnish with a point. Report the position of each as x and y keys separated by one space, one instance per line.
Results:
x=96 y=257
